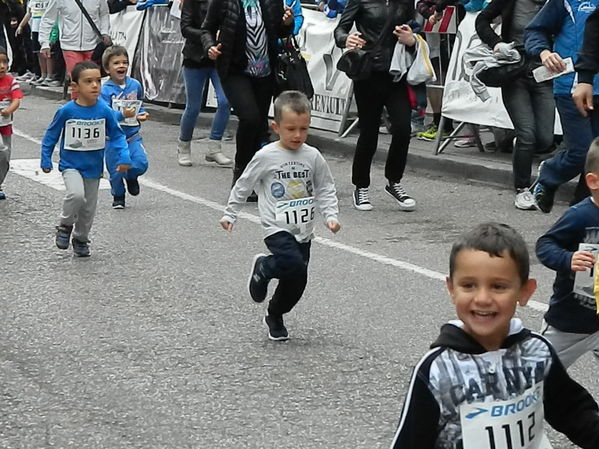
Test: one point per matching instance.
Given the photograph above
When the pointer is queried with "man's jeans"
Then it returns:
(579, 132)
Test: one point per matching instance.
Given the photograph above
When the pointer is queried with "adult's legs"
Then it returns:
(195, 80)
(223, 111)
(71, 58)
(398, 106)
(289, 264)
(370, 99)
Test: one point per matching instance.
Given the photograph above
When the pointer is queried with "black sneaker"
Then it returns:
(361, 200)
(405, 201)
(81, 249)
(257, 283)
(544, 198)
(276, 328)
(118, 202)
(132, 186)
(63, 234)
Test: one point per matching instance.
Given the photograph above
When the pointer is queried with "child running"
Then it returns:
(124, 95)
(10, 100)
(82, 126)
(569, 247)
(291, 179)
(488, 382)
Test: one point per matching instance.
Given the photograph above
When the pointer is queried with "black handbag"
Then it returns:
(357, 63)
(291, 71)
(101, 46)
(505, 74)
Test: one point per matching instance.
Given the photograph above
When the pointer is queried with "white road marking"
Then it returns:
(30, 168)
(406, 266)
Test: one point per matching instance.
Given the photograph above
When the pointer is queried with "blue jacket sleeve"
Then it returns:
(141, 95)
(51, 138)
(118, 141)
(298, 16)
(554, 247)
(538, 34)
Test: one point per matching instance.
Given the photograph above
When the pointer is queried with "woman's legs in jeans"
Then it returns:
(223, 112)
(250, 99)
(195, 80)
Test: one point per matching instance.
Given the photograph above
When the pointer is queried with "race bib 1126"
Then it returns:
(85, 135)
(513, 424)
(298, 212)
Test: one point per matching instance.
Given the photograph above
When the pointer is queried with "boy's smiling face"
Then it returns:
(485, 290)
(117, 68)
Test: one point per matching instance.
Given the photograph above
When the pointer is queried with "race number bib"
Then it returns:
(513, 424)
(37, 8)
(120, 105)
(584, 281)
(85, 135)
(295, 212)
(5, 120)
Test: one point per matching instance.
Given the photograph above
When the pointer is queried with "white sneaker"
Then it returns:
(215, 153)
(184, 153)
(361, 200)
(465, 143)
(524, 200)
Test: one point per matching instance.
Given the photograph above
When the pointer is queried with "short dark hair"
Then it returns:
(111, 52)
(494, 239)
(3, 51)
(80, 67)
(293, 100)
(592, 162)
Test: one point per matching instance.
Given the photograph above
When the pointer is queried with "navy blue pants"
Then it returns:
(289, 264)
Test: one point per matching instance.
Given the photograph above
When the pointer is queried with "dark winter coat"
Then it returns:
(192, 17)
(228, 19)
(588, 64)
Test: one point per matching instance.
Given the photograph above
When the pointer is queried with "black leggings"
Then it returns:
(371, 95)
(250, 99)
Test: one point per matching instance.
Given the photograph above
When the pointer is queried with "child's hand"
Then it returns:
(4, 113)
(122, 167)
(435, 17)
(129, 112)
(46, 170)
(143, 117)
(582, 261)
(226, 225)
(333, 226)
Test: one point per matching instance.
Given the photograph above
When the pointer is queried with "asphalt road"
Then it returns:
(153, 342)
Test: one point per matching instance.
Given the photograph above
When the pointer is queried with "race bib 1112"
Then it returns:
(85, 135)
(513, 424)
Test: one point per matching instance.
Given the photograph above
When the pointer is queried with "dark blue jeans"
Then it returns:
(531, 108)
(289, 264)
(579, 132)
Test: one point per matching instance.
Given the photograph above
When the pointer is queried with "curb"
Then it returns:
(484, 168)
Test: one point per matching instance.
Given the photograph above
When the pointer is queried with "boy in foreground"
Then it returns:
(488, 382)
(291, 180)
(82, 126)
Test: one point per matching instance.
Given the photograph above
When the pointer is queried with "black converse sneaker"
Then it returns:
(361, 200)
(276, 328)
(257, 283)
(405, 201)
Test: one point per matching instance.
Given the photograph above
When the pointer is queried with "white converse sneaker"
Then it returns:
(524, 200)
(361, 200)
(405, 201)
(184, 153)
(215, 153)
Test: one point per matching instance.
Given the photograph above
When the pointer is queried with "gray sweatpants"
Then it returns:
(79, 205)
(569, 346)
(5, 157)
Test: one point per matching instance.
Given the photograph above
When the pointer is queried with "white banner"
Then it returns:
(125, 29)
(459, 101)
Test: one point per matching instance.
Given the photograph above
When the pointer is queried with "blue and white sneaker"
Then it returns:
(63, 235)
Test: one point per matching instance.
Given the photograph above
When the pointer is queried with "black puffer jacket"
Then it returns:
(192, 17)
(228, 19)
(370, 17)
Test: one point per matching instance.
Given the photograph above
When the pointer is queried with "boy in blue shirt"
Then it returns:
(124, 95)
(82, 126)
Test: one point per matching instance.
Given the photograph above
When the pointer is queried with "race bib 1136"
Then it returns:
(513, 424)
(85, 135)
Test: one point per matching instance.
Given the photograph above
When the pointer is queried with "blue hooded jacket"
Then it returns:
(559, 27)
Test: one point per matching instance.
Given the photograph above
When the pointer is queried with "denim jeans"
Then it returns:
(371, 95)
(195, 80)
(289, 264)
(531, 108)
(579, 132)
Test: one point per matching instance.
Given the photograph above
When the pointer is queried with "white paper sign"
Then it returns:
(584, 281)
(120, 105)
(5, 120)
(85, 135)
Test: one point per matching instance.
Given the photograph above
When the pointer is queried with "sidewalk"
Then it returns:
(464, 164)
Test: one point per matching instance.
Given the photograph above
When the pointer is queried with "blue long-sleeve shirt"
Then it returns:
(569, 311)
(298, 15)
(82, 131)
(132, 90)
